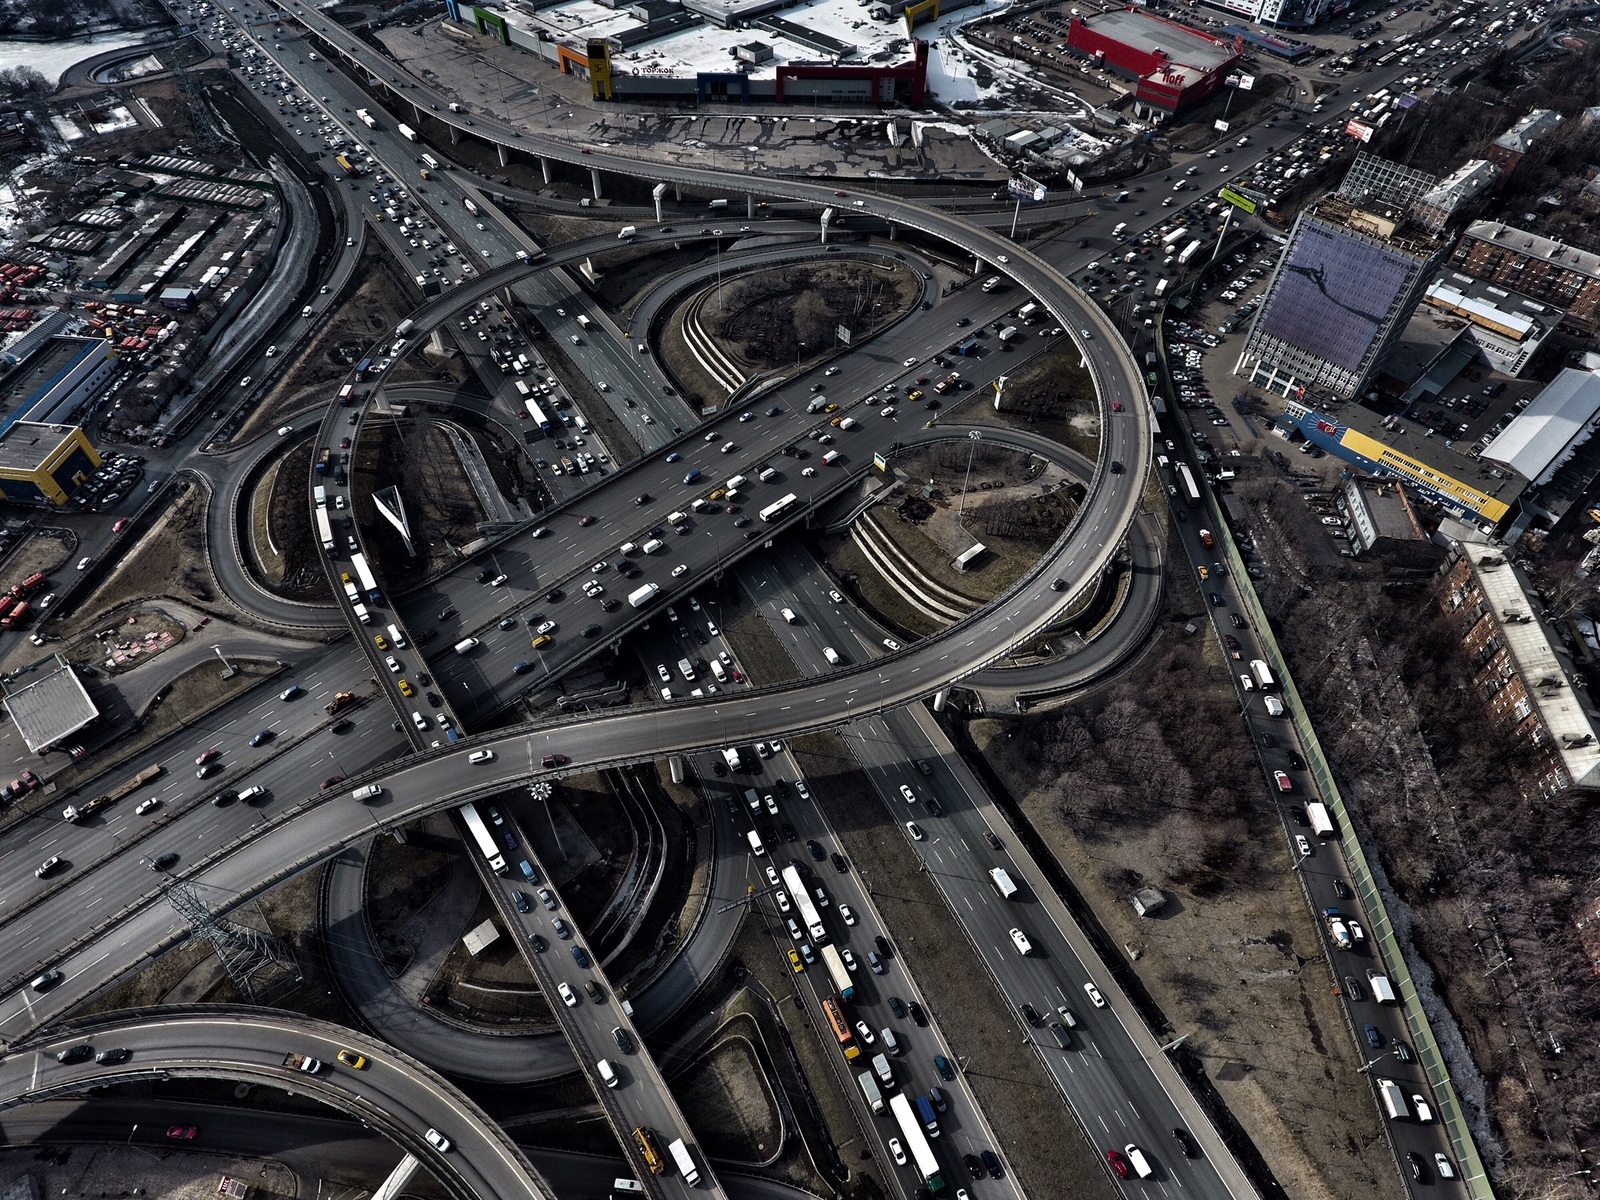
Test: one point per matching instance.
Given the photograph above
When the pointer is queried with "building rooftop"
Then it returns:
(1149, 34)
(27, 442)
(21, 387)
(1522, 242)
(1546, 433)
(1543, 668)
(48, 703)
(1521, 136)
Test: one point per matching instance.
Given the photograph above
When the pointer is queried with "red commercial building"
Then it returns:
(1174, 67)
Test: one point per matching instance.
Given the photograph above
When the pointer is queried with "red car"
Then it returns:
(1285, 784)
(1116, 406)
(331, 780)
(1118, 1163)
(587, 520)
(181, 1133)
(120, 525)
(555, 760)
(205, 756)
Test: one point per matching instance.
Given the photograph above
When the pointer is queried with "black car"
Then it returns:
(917, 1015)
(115, 1055)
(76, 1053)
(882, 943)
(1414, 1161)
(817, 852)
(485, 575)
(624, 1040)
(718, 767)
(446, 613)
(538, 943)
(1029, 1013)
(590, 631)
(974, 1167)
(554, 595)
(581, 956)
(1185, 1143)
(789, 834)
(1268, 740)
(595, 991)
(839, 863)
(1295, 761)
(1340, 890)
(162, 861)
(993, 1163)
(521, 902)
(898, 1007)
(262, 738)
(227, 796)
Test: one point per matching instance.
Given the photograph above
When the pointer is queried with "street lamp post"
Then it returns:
(973, 437)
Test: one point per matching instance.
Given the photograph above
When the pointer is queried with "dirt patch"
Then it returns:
(417, 456)
(631, 273)
(493, 987)
(1019, 1099)
(287, 547)
(726, 1101)
(1052, 395)
(771, 318)
(402, 878)
(168, 560)
(361, 318)
(130, 640)
(42, 553)
(758, 650)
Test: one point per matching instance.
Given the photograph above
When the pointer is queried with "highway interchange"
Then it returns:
(103, 922)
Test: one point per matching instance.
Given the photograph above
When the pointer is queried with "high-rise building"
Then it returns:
(1356, 265)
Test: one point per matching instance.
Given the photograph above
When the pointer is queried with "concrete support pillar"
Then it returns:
(893, 228)
(594, 181)
(750, 207)
(544, 166)
(455, 135)
(656, 193)
(505, 154)
(677, 193)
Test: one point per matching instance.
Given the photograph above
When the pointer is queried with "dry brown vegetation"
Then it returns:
(774, 318)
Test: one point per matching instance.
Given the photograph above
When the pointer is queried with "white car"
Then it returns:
(271, 350)
(808, 472)
(661, 670)
(146, 805)
(782, 897)
(568, 997)
(848, 914)
(898, 1152)
(438, 1141)
(546, 627)
(848, 957)
(831, 371)
(915, 831)
(1095, 998)
(910, 362)
(865, 1030)
(886, 411)
(285, 430)
(1001, 259)
(83, 563)
(1302, 845)
(679, 570)
(772, 875)
(910, 796)
(394, 663)
(1021, 942)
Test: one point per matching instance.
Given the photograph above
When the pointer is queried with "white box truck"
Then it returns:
(686, 1168)
(1382, 989)
(1394, 1100)
(869, 1089)
(643, 596)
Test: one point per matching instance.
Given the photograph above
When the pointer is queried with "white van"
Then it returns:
(788, 615)
(626, 549)
(466, 645)
(370, 792)
(1136, 1159)
(719, 671)
(890, 1043)
(831, 457)
(252, 793)
(768, 474)
(734, 484)
(396, 637)
(677, 518)
(603, 1068)
(626, 1185)
(756, 848)
(699, 504)
(652, 546)
(832, 655)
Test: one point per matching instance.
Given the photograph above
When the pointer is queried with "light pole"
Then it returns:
(973, 437)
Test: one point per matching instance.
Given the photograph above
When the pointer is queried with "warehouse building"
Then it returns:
(1174, 67)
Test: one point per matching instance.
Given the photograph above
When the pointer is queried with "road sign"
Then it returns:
(1077, 184)
(880, 462)
(1220, 126)
(1240, 202)
(842, 332)
(1023, 188)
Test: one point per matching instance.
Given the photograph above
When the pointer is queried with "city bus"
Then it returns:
(774, 511)
(837, 973)
(833, 1009)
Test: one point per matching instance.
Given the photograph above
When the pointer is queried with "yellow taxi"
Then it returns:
(383, 642)
(406, 689)
(794, 961)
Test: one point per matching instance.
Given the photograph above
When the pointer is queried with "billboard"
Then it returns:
(1023, 188)
(1238, 201)
(1357, 130)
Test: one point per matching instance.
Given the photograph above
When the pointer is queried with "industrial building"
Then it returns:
(1506, 329)
(1354, 269)
(44, 464)
(1546, 270)
(1174, 67)
(1551, 430)
(1381, 520)
(1525, 675)
(48, 704)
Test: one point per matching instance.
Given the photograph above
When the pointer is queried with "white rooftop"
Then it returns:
(1544, 436)
(1542, 667)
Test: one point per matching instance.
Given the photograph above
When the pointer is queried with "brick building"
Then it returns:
(1523, 674)
(1546, 270)
(1508, 149)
